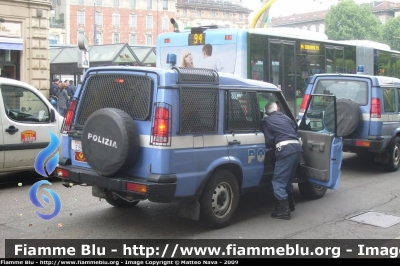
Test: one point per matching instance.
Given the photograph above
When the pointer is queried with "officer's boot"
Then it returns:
(282, 210)
(292, 204)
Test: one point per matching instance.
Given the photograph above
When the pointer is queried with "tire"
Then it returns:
(110, 141)
(311, 191)
(120, 203)
(394, 156)
(219, 199)
(348, 117)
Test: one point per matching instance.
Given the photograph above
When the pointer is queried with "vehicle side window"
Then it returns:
(199, 110)
(389, 100)
(242, 111)
(23, 105)
(264, 98)
(398, 100)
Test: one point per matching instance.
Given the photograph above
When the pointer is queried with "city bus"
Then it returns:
(285, 57)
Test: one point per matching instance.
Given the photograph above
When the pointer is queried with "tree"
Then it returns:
(350, 21)
(391, 33)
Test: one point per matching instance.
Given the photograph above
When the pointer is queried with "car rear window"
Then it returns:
(357, 91)
(128, 92)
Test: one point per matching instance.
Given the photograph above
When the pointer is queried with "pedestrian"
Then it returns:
(71, 89)
(62, 102)
(280, 133)
(53, 93)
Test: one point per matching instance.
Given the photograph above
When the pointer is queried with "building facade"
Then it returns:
(137, 22)
(24, 42)
(194, 13)
(315, 21)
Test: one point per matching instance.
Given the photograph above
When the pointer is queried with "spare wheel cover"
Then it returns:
(110, 141)
(348, 117)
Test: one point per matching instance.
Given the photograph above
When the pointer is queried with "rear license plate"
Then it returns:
(76, 145)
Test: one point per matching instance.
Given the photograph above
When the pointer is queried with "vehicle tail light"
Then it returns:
(161, 125)
(136, 187)
(61, 173)
(68, 117)
(360, 143)
(304, 103)
(375, 108)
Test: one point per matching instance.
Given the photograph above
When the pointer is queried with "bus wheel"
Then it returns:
(219, 200)
(394, 156)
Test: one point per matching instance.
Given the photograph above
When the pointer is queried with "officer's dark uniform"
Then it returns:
(278, 129)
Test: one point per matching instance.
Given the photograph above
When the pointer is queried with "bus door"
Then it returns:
(335, 60)
(282, 70)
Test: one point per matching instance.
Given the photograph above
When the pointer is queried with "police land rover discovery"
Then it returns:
(368, 109)
(182, 135)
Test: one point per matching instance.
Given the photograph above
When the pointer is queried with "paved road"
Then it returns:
(364, 187)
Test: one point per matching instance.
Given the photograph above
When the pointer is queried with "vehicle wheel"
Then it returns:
(311, 191)
(394, 156)
(348, 117)
(219, 199)
(120, 203)
(110, 141)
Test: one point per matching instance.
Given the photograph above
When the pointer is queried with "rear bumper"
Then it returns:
(376, 146)
(160, 188)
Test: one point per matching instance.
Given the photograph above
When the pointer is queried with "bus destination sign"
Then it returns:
(197, 39)
(309, 47)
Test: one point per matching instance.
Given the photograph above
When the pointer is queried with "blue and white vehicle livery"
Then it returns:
(368, 111)
(182, 134)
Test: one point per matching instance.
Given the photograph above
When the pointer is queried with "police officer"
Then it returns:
(280, 134)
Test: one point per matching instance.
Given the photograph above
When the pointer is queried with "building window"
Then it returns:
(133, 3)
(99, 2)
(81, 2)
(81, 18)
(165, 4)
(149, 22)
(184, 12)
(165, 23)
(198, 13)
(240, 16)
(213, 14)
(184, 24)
(54, 39)
(149, 4)
(81, 33)
(99, 18)
(115, 20)
(115, 38)
(132, 21)
(116, 3)
(149, 39)
(132, 39)
(99, 38)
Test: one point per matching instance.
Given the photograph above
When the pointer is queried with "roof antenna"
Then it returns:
(176, 26)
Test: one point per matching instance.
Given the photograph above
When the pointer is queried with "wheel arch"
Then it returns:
(232, 167)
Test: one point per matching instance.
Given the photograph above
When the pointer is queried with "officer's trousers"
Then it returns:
(284, 173)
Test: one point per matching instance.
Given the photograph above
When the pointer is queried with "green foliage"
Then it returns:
(391, 33)
(349, 21)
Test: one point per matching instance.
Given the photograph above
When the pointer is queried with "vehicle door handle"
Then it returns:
(320, 145)
(11, 130)
(234, 142)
